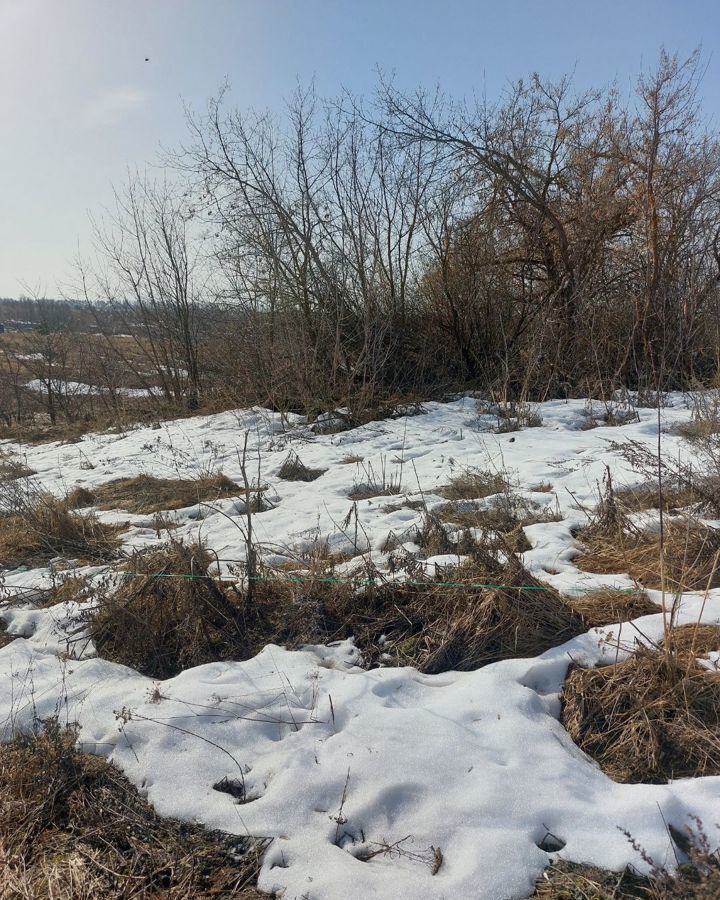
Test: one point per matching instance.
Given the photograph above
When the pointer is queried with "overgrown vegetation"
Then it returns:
(549, 243)
(173, 615)
(73, 828)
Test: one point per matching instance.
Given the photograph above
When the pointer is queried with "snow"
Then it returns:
(81, 389)
(340, 762)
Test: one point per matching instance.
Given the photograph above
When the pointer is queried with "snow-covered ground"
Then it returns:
(382, 783)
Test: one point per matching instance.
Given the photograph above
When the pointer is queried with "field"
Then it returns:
(374, 653)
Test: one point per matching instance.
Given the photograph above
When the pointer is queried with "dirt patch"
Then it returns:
(651, 718)
(73, 828)
(146, 494)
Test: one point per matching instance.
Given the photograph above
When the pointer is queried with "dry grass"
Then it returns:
(694, 639)
(675, 496)
(168, 614)
(351, 459)
(11, 468)
(43, 528)
(651, 718)
(73, 828)
(474, 484)
(570, 881)
(433, 628)
(370, 482)
(698, 879)
(294, 469)
(688, 561)
(505, 514)
(161, 625)
(607, 606)
(146, 494)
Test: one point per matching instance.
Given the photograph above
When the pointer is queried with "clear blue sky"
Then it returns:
(78, 102)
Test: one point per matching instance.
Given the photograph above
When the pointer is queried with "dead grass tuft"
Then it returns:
(40, 528)
(570, 881)
(474, 484)
(169, 614)
(506, 513)
(694, 639)
(12, 469)
(697, 879)
(651, 718)
(293, 469)
(73, 828)
(675, 496)
(688, 561)
(607, 606)
(146, 494)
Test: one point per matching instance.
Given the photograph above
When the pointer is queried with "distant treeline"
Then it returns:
(355, 253)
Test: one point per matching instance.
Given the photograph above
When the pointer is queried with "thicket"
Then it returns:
(353, 254)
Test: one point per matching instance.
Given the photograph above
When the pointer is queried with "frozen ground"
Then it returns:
(372, 783)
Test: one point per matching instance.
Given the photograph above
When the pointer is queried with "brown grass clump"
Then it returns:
(651, 718)
(294, 469)
(689, 560)
(474, 484)
(434, 628)
(472, 627)
(698, 879)
(507, 513)
(146, 494)
(45, 527)
(12, 469)
(169, 614)
(162, 622)
(647, 496)
(73, 828)
(609, 605)
(570, 881)
(694, 639)
(80, 497)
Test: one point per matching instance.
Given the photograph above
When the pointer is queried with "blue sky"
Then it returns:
(78, 102)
